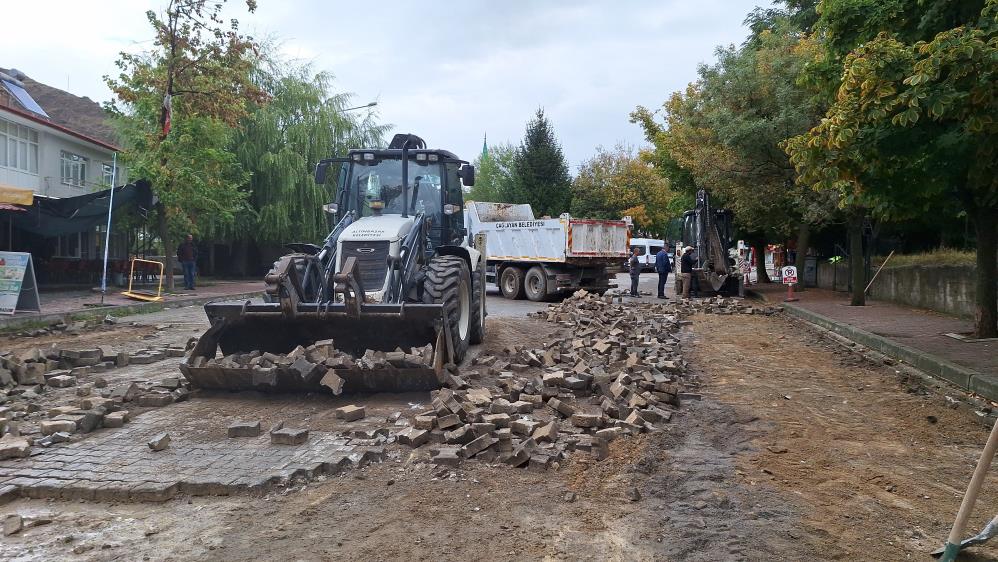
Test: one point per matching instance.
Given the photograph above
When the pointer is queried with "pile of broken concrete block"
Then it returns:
(59, 368)
(314, 364)
(725, 305)
(620, 372)
(28, 383)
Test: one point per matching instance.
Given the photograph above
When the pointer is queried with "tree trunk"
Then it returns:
(856, 260)
(803, 241)
(986, 314)
(761, 275)
(164, 236)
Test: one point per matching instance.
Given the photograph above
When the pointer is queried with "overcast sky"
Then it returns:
(447, 71)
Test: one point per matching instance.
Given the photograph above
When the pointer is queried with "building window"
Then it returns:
(108, 176)
(74, 169)
(18, 147)
(68, 246)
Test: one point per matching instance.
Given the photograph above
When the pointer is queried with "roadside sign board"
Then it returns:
(789, 274)
(18, 289)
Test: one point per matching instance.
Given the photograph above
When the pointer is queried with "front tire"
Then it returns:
(478, 312)
(448, 282)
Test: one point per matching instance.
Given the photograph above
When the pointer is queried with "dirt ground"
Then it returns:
(799, 450)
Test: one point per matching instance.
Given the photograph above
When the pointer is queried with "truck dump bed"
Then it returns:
(513, 234)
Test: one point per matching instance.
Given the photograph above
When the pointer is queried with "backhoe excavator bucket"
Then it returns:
(245, 327)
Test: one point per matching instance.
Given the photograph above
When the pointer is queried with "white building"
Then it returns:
(55, 144)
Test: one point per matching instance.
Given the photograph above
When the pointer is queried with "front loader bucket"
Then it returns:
(244, 327)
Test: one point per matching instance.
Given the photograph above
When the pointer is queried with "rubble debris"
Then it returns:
(350, 413)
(12, 524)
(159, 442)
(288, 436)
(12, 446)
(245, 429)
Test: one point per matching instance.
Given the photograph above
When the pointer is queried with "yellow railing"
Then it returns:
(145, 295)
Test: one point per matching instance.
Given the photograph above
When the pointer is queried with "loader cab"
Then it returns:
(370, 184)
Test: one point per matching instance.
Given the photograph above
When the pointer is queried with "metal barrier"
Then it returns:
(145, 295)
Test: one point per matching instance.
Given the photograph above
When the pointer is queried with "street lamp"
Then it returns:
(372, 104)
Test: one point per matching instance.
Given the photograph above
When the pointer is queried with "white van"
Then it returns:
(647, 248)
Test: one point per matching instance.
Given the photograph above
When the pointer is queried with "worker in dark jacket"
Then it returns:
(686, 270)
(634, 266)
(187, 254)
(664, 267)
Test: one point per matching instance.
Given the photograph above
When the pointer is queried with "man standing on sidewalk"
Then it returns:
(686, 270)
(663, 266)
(187, 254)
(634, 266)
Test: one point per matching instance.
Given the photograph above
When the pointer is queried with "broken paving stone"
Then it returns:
(14, 447)
(634, 494)
(159, 442)
(424, 422)
(289, 436)
(61, 381)
(53, 426)
(115, 419)
(12, 524)
(449, 421)
(447, 457)
(478, 445)
(350, 413)
(581, 419)
(413, 437)
(155, 399)
(244, 429)
(523, 426)
(570, 497)
(546, 433)
(333, 382)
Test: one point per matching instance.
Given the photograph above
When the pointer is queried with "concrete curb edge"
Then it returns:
(13, 323)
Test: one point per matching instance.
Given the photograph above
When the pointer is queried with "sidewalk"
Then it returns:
(912, 335)
(72, 304)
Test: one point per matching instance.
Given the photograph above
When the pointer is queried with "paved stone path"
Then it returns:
(916, 328)
(118, 465)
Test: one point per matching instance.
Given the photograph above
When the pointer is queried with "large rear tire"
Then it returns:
(478, 312)
(535, 284)
(448, 282)
(511, 283)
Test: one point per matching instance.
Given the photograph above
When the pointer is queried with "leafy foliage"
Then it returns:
(199, 66)
(617, 183)
(494, 173)
(280, 143)
(540, 173)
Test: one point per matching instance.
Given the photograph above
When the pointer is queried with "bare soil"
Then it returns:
(799, 450)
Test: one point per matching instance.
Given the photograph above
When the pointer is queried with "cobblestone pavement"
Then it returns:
(917, 328)
(117, 464)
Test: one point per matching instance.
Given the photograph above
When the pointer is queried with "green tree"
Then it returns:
(617, 183)
(914, 124)
(280, 143)
(723, 132)
(540, 173)
(494, 174)
(177, 105)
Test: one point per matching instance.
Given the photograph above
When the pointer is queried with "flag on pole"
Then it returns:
(168, 109)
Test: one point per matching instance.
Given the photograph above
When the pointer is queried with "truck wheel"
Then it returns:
(448, 282)
(511, 283)
(535, 284)
(478, 312)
